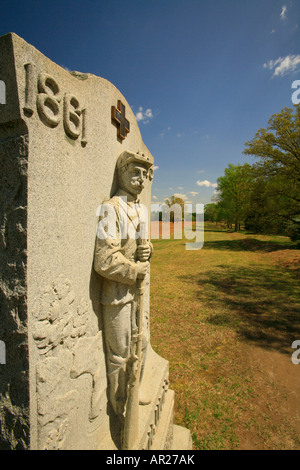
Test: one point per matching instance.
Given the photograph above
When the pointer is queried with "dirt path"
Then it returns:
(277, 381)
(276, 377)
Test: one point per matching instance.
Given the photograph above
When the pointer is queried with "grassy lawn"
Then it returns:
(218, 315)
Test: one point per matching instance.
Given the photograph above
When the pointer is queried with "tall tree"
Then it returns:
(211, 212)
(278, 147)
(177, 206)
(233, 193)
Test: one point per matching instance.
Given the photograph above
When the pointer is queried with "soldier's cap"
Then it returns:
(130, 157)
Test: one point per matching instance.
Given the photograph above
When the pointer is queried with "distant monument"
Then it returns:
(69, 142)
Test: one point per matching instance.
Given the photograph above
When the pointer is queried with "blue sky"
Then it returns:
(202, 76)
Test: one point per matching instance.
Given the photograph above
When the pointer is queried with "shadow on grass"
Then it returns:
(248, 244)
(261, 304)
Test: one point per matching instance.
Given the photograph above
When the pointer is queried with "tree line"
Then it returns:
(264, 197)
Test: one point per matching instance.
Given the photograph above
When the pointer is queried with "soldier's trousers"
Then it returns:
(117, 321)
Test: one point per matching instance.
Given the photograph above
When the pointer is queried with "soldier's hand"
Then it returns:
(143, 252)
(142, 269)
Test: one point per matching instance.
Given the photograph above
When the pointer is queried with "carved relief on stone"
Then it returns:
(87, 360)
(56, 405)
(60, 320)
(67, 352)
(122, 254)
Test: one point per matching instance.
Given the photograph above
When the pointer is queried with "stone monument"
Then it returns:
(68, 142)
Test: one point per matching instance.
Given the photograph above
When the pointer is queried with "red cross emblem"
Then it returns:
(118, 116)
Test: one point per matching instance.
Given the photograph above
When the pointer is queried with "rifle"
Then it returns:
(131, 421)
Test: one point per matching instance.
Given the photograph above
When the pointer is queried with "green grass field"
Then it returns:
(224, 317)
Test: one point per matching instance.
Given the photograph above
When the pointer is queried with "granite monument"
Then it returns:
(79, 370)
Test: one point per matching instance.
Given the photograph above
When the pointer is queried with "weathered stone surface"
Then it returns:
(58, 151)
(14, 380)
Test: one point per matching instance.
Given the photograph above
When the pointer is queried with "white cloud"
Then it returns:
(155, 167)
(163, 133)
(207, 183)
(283, 12)
(144, 116)
(179, 187)
(154, 197)
(182, 196)
(193, 193)
(283, 65)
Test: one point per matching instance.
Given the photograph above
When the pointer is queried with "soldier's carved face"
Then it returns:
(133, 178)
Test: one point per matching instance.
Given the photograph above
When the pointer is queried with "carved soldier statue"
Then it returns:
(122, 259)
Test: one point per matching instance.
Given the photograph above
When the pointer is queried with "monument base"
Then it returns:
(156, 427)
(182, 439)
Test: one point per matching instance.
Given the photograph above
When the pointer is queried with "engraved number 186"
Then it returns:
(52, 107)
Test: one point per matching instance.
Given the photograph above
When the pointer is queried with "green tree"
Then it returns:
(233, 194)
(211, 212)
(278, 148)
(177, 204)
